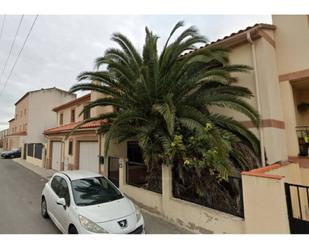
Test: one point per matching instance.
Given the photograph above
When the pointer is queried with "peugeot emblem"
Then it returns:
(123, 223)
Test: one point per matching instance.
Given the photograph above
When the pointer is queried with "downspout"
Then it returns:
(258, 98)
(63, 154)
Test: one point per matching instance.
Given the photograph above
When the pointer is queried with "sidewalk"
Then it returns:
(153, 223)
(45, 173)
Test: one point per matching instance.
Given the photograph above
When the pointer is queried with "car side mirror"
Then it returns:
(61, 201)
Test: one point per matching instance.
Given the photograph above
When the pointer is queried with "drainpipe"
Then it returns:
(258, 98)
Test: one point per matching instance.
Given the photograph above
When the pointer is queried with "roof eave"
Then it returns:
(241, 38)
(236, 39)
(71, 103)
(67, 131)
(50, 88)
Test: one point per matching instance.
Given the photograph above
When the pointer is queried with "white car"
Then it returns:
(85, 202)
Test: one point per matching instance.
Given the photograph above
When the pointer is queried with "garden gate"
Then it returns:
(297, 198)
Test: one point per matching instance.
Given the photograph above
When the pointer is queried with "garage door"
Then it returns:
(56, 156)
(88, 156)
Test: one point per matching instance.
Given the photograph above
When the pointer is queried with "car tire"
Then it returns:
(44, 212)
(73, 230)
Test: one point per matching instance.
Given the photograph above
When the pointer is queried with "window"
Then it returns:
(38, 151)
(87, 114)
(134, 153)
(73, 115)
(64, 191)
(61, 189)
(94, 190)
(70, 147)
(55, 184)
(30, 150)
(61, 119)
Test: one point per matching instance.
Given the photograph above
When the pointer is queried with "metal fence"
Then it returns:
(297, 197)
(136, 175)
(225, 196)
(303, 140)
(113, 170)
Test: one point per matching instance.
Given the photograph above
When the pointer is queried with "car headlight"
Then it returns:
(90, 225)
(138, 213)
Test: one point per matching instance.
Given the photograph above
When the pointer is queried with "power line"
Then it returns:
(19, 53)
(11, 48)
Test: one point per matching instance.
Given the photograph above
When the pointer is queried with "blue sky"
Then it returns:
(60, 47)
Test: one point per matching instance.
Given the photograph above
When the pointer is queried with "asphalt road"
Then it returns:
(20, 196)
(20, 193)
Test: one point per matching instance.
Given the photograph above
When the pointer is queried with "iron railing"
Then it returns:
(230, 197)
(113, 170)
(298, 196)
(136, 175)
(303, 140)
(229, 200)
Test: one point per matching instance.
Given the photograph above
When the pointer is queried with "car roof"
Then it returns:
(79, 174)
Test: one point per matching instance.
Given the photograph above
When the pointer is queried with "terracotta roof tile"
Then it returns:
(241, 31)
(70, 126)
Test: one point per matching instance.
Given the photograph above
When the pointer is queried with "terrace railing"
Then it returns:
(303, 140)
(136, 175)
(229, 201)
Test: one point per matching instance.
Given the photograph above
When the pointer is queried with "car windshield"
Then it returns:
(94, 190)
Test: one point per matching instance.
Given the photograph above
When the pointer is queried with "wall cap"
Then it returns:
(140, 190)
(261, 172)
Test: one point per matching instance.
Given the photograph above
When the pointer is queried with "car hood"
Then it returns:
(107, 211)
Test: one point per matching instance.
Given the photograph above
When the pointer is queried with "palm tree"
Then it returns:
(162, 97)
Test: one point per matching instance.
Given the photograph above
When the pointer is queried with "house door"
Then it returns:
(88, 156)
(56, 156)
(297, 198)
(113, 170)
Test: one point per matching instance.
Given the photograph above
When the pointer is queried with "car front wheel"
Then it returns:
(44, 208)
(73, 230)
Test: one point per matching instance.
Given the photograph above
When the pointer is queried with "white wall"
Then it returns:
(292, 39)
(41, 116)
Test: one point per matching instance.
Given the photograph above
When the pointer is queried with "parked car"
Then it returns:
(12, 153)
(86, 202)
